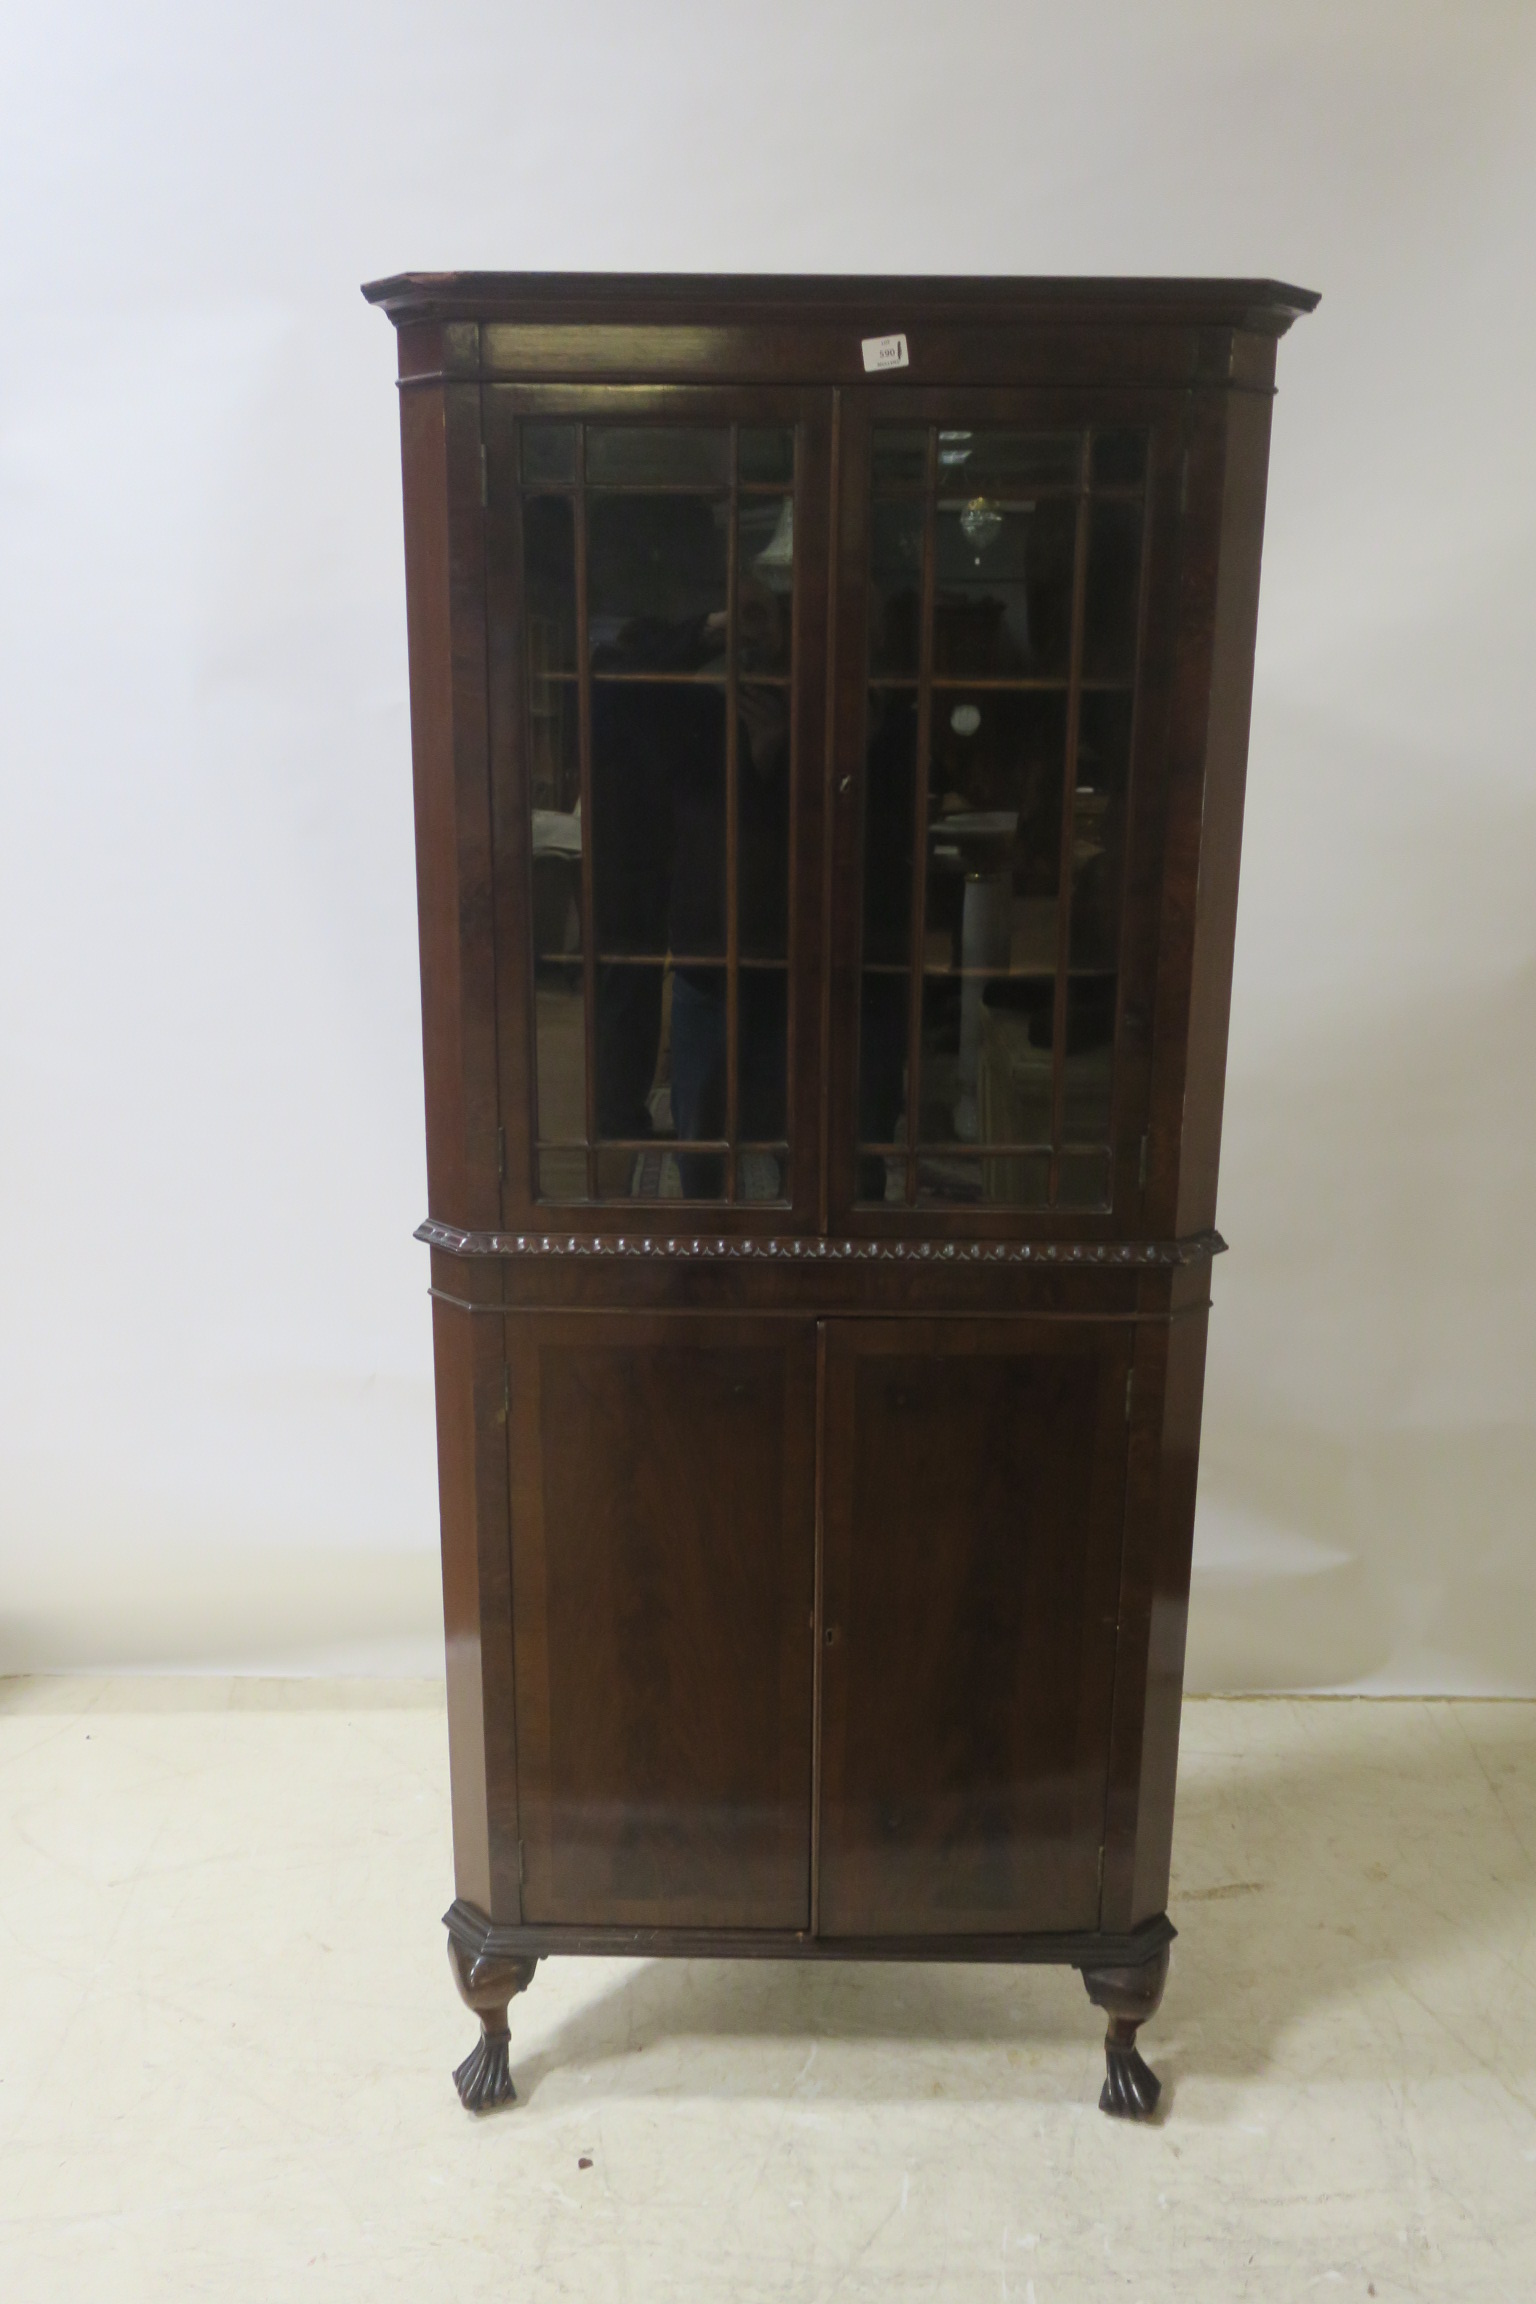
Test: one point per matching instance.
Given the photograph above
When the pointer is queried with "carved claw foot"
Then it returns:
(488, 1986)
(1128, 1997)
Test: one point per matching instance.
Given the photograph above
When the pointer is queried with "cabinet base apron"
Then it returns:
(1124, 1975)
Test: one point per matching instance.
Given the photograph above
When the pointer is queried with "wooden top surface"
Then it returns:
(702, 298)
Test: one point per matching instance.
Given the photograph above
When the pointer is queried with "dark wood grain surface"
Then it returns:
(973, 1479)
(816, 1574)
(662, 1537)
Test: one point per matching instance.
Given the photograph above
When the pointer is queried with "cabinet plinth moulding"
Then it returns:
(829, 708)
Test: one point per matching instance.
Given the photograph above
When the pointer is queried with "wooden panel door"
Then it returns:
(663, 1536)
(974, 1485)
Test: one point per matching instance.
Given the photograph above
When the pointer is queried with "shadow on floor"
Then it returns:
(1373, 1849)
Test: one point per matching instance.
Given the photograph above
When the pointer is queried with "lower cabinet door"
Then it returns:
(974, 1480)
(663, 1570)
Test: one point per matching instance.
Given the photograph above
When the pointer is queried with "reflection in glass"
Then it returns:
(656, 583)
(765, 572)
(898, 456)
(997, 1107)
(949, 1180)
(560, 1036)
(549, 581)
(549, 452)
(762, 1173)
(1119, 459)
(658, 813)
(1114, 570)
(762, 821)
(562, 1175)
(1084, 1180)
(657, 456)
(762, 1010)
(1003, 575)
(1088, 1073)
(1098, 827)
(668, 775)
(1008, 460)
(896, 587)
(765, 458)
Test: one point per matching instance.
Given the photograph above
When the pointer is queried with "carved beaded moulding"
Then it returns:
(761, 1248)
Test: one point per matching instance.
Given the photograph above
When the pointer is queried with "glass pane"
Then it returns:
(896, 587)
(1119, 459)
(1014, 1067)
(882, 1069)
(658, 818)
(562, 1175)
(554, 754)
(1009, 459)
(629, 1044)
(561, 1045)
(762, 822)
(656, 583)
(1023, 1179)
(898, 456)
(763, 1173)
(697, 1068)
(994, 850)
(951, 1180)
(1089, 1068)
(762, 1008)
(890, 767)
(765, 457)
(549, 580)
(556, 909)
(1098, 827)
(657, 456)
(1084, 1180)
(549, 451)
(1114, 570)
(1004, 588)
(765, 575)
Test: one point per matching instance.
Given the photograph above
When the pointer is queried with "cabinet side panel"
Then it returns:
(453, 1352)
(1226, 766)
(440, 448)
(1154, 1607)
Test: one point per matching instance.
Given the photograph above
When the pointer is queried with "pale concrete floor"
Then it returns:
(226, 2027)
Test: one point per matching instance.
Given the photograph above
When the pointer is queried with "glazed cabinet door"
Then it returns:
(1007, 584)
(974, 1481)
(656, 587)
(663, 1539)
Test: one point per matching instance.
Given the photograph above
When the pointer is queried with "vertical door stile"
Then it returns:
(732, 830)
(917, 926)
(1059, 1011)
(818, 1617)
(832, 820)
(588, 822)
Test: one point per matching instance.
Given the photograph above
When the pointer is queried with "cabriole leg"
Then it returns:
(484, 2079)
(1128, 1997)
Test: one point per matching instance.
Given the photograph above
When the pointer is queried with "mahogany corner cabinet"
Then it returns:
(829, 702)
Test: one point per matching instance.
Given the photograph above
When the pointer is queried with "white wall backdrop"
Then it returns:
(215, 1411)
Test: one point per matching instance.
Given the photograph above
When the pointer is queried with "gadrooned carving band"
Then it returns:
(780, 1248)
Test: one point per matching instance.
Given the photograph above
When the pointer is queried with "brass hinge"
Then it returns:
(1130, 1386)
(506, 1391)
(501, 1156)
(485, 479)
(1141, 1165)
